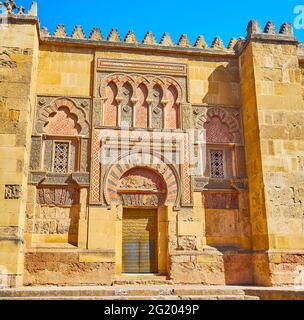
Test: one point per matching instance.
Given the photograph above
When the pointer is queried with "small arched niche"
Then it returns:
(111, 105)
(141, 113)
(172, 109)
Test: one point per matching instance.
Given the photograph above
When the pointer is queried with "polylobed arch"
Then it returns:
(49, 111)
(221, 127)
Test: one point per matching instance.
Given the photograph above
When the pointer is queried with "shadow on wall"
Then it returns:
(242, 267)
(224, 84)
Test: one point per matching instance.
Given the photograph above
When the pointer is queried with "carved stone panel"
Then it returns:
(12, 192)
(141, 187)
(84, 161)
(140, 200)
(157, 108)
(157, 117)
(97, 113)
(199, 117)
(142, 66)
(58, 196)
(127, 116)
(187, 116)
(48, 155)
(35, 161)
(126, 105)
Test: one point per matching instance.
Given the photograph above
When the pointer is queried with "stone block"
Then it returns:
(97, 257)
(188, 228)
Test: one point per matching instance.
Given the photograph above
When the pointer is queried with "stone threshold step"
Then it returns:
(118, 291)
(139, 279)
(137, 298)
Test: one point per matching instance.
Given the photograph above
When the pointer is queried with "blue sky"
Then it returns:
(193, 17)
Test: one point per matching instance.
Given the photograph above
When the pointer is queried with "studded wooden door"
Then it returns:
(139, 241)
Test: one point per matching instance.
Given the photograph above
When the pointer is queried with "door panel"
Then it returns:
(139, 239)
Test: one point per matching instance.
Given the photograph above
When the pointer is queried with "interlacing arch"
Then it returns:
(169, 87)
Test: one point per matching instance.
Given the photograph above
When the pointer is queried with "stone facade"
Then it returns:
(211, 139)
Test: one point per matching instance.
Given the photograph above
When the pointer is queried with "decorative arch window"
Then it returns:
(63, 122)
(64, 127)
(222, 135)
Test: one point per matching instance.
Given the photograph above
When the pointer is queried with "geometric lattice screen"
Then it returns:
(61, 157)
(217, 164)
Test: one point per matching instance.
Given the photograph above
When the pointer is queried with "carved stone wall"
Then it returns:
(55, 222)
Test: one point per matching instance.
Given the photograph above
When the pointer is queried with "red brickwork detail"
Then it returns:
(63, 123)
(186, 173)
(96, 167)
(217, 132)
(221, 127)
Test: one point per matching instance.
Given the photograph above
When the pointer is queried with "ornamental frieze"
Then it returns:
(142, 66)
(58, 196)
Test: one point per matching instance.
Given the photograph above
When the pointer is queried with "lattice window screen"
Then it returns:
(61, 157)
(217, 164)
